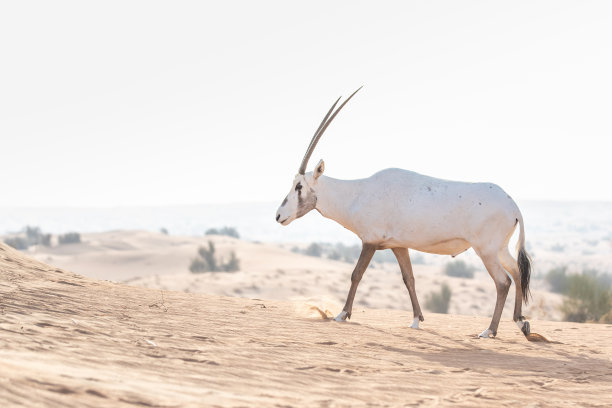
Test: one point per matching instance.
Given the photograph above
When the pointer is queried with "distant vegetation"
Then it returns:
(31, 236)
(438, 302)
(349, 253)
(227, 231)
(459, 269)
(207, 261)
(28, 237)
(557, 280)
(587, 296)
(69, 238)
(35, 236)
(18, 243)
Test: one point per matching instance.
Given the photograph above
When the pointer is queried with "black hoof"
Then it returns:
(526, 329)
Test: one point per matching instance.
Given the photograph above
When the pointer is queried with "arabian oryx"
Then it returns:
(400, 210)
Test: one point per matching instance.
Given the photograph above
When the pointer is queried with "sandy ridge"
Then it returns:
(66, 340)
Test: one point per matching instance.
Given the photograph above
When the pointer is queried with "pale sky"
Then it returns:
(155, 103)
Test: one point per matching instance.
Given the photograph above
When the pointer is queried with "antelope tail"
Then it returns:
(524, 262)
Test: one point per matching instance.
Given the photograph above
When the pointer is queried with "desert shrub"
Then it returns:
(313, 249)
(45, 239)
(607, 318)
(459, 269)
(163, 231)
(28, 237)
(227, 231)
(588, 297)
(198, 265)
(334, 255)
(207, 255)
(207, 261)
(18, 243)
(438, 302)
(557, 280)
(35, 236)
(69, 238)
(348, 253)
(233, 264)
(604, 279)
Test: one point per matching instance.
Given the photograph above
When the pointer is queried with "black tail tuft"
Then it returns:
(524, 264)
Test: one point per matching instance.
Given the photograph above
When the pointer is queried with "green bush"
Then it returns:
(557, 280)
(459, 269)
(207, 261)
(588, 297)
(438, 302)
(69, 238)
(227, 231)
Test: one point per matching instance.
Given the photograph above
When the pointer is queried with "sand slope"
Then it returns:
(270, 271)
(66, 340)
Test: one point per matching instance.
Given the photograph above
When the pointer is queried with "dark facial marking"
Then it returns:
(284, 202)
(298, 187)
(305, 205)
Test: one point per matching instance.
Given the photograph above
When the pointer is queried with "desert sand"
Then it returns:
(71, 341)
(272, 271)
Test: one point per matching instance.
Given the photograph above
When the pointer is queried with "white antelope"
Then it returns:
(399, 209)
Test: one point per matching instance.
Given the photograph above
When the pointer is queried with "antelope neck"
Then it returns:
(335, 198)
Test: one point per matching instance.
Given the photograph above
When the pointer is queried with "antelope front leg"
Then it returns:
(367, 252)
(403, 258)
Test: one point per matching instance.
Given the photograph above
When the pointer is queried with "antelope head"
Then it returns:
(303, 194)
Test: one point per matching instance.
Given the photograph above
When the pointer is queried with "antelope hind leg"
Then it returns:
(502, 285)
(403, 258)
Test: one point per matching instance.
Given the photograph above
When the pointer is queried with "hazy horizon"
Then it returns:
(255, 221)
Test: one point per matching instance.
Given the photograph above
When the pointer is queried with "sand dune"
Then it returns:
(67, 340)
(270, 271)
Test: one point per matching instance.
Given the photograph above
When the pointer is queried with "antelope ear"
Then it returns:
(319, 169)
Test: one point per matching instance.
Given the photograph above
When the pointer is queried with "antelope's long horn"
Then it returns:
(307, 155)
(324, 124)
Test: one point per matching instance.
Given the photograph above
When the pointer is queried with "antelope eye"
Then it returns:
(298, 187)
